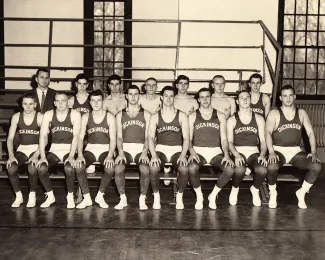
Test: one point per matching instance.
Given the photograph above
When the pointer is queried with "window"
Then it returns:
(304, 46)
(108, 59)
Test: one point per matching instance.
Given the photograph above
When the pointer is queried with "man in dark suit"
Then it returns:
(42, 93)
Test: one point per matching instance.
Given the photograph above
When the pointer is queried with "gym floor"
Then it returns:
(230, 232)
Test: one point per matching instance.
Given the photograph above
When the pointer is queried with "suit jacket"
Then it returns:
(49, 100)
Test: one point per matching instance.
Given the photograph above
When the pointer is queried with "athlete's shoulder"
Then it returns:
(274, 112)
(110, 116)
(192, 115)
(259, 117)
(15, 117)
(232, 119)
(75, 113)
(85, 116)
(220, 114)
(302, 112)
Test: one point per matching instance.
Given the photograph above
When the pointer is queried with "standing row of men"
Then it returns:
(147, 123)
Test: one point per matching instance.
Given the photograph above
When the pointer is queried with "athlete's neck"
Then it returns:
(255, 94)
(182, 95)
(219, 95)
(245, 111)
(32, 114)
(82, 94)
(151, 97)
(170, 109)
(291, 108)
(98, 112)
(206, 110)
(133, 108)
(62, 112)
(116, 95)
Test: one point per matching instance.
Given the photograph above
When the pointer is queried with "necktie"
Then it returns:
(42, 101)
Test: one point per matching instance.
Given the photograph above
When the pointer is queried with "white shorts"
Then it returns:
(247, 151)
(97, 149)
(288, 152)
(208, 152)
(60, 150)
(133, 149)
(168, 150)
(27, 149)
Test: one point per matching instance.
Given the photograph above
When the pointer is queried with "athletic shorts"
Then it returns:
(60, 150)
(27, 149)
(288, 152)
(97, 149)
(208, 152)
(133, 149)
(247, 151)
(169, 150)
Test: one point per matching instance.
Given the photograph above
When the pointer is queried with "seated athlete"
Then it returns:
(221, 101)
(101, 143)
(132, 142)
(283, 138)
(115, 102)
(207, 134)
(245, 130)
(64, 124)
(260, 103)
(27, 123)
(183, 101)
(150, 101)
(170, 126)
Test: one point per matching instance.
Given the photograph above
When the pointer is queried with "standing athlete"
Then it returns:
(183, 101)
(260, 103)
(64, 124)
(101, 143)
(245, 130)
(28, 123)
(132, 142)
(80, 101)
(115, 102)
(221, 101)
(207, 136)
(283, 138)
(150, 101)
(170, 126)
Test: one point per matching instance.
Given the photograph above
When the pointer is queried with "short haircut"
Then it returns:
(114, 77)
(182, 77)
(151, 78)
(28, 95)
(96, 93)
(255, 76)
(285, 87)
(202, 90)
(81, 76)
(58, 93)
(218, 77)
(143, 86)
(168, 88)
(243, 91)
(133, 87)
(42, 70)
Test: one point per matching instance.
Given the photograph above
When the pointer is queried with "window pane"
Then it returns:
(288, 55)
(119, 8)
(119, 54)
(98, 39)
(98, 54)
(321, 39)
(321, 56)
(299, 71)
(300, 55)
(289, 7)
(311, 87)
(313, 6)
(98, 8)
(119, 26)
(287, 70)
(287, 82)
(300, 22)
(312, 55)
(109, 38)
(321, 87)
(300, 6)
(300, 38)
(109, 25)
(109, 9)
(98, 25)
(321, 71)
(108, 68)
(288, 38)
(299, 86)
(322, 23)
(119, 38)
(108, 54)
(98, 71)
(311, 39)
(288, 22)
(312, 23)
(322, 7)
(311, 71)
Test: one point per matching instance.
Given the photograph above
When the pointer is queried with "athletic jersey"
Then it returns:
(133, 128)
(169, 133)
(97, 133)
(62, 132)
(82, 108)
(259, 107)
(246, 134)
(206, 132)
(28, 134)
(288, 133)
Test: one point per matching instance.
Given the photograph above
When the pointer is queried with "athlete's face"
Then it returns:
(28, 105)
(115, 86)
(96, 103)
(168, 98)
(151, 86)
(244, 100)
(255, 85)
(61, 102)
(43, 79)
(219, 85)
(205, 99)
(287, 97)
(133, 96)
(82, 85)
(182, 86)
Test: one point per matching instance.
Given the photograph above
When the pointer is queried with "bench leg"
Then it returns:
(264, 193)
(79, 195)
(174, 183)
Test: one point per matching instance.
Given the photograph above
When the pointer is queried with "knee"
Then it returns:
(80, 170)
(315, 167)
(144, 169)
(43, 170)
(260, 170)
(273, 168)
(119, 169)
(69, 171)
(154, 170)
(239, 171)
(193, 169)
(183, 171)
(13, 169)
(32, 170)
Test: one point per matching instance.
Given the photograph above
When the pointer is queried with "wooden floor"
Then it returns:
(230, 232)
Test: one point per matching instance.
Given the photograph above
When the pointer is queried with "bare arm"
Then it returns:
(147, 119)
(195, 104)
(269, 129)
(267, 104)
(152, 134)
(12, 133)
(119, 130)
(82, 133)
(223, 134)
(231, 122)
(309, 129)
(76, 121)
(183, 119)
(232, 106)
(39, 123)
(44, 132)
(71, 102)
(261, 133)
(112, 134)
(191, 121)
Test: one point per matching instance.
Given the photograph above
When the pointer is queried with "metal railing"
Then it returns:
(267, 64)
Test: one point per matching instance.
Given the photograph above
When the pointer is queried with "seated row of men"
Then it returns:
(188, 142)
